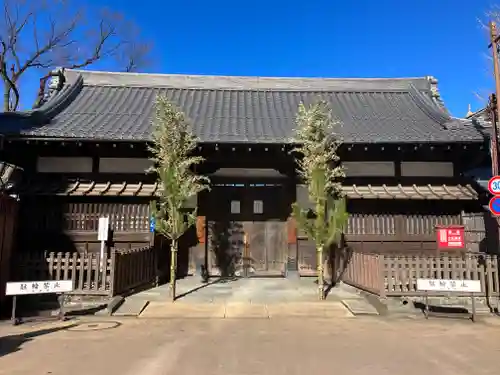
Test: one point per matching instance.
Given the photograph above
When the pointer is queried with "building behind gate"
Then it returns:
(84, 155)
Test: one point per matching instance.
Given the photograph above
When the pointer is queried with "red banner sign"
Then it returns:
(450, 237)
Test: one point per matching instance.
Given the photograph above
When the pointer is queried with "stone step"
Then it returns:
(131, 307)
(359, 306)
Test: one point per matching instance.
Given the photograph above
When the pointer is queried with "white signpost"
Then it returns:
(38, 287)
(22, 288)
(102, 235)
(449, 285)
(445, 285)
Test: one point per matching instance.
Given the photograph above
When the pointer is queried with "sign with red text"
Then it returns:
(450, 237)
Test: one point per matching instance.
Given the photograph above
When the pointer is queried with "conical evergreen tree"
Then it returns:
(172, 153)
(320, 169)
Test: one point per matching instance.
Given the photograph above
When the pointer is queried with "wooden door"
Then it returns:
(248, 230)
(265, 251)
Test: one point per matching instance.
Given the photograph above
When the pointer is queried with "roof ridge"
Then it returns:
(312, 90)
(96, 78)
(102, 72)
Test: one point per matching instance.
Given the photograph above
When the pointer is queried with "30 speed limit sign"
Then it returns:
(494, 185)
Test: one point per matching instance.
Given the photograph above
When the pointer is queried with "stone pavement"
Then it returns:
(267, 298)
(364, 345)
(246, 310)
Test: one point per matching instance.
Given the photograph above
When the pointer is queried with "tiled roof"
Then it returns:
(411, 192)
(118, 106)
(92, 188)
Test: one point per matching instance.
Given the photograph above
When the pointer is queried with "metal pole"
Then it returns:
(14, 319)
(473, 317)
(495, 105)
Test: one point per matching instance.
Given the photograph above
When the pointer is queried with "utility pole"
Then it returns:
(494, 102)
(492, 107)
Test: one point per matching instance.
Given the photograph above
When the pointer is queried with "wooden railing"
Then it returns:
(362, 271)
(121, 272)
(133, 268)
(389, 275)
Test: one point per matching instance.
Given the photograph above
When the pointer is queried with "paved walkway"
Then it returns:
(255, 290)
(231, 310)
(268, 298)
(365, 345)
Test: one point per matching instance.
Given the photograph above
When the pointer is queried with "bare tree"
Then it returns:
(47, 34)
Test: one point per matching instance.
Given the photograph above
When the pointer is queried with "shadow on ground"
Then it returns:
(221, 280)
(12, 343)
(441, 309)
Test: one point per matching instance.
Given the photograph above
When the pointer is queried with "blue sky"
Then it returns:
(335, 38)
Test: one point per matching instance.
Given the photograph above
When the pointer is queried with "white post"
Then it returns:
(102, 256)
(102, 235)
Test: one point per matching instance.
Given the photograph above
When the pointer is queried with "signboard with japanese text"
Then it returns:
(446, 285)
(38, 287)
(450, 237)
(103, 232)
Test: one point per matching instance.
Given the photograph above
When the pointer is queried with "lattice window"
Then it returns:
(365, 224)
(359, 224)
(56, 215)
(122, 217)
(426, 224)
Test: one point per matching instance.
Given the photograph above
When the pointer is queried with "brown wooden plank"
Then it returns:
(292, 230)
(201, 228)
(276, 244)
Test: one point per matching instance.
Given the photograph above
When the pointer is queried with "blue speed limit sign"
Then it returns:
(494, 185)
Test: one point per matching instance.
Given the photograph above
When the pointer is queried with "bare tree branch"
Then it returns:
(10, 85)
(135, 56)
(46, 34)
(493, 14)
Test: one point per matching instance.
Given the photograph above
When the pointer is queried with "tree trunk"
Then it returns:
(321, 280)
(6, 96)
(173, 268)
(319, 248)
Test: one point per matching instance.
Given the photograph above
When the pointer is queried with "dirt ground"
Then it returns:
(361, 345)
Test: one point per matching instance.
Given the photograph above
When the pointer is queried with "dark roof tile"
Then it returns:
(111, 106)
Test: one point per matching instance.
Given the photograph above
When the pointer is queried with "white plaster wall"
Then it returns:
(426, 169)
(124, 165)
(64, 164)
(369, 168)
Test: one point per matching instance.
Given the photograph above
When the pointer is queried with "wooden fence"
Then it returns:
(122, 271)
(134, 268)
(390, 276)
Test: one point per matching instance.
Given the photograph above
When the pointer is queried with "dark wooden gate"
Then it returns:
(247, 230)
